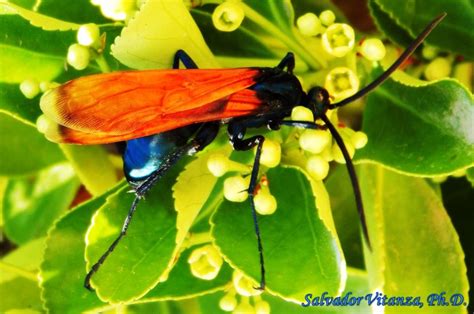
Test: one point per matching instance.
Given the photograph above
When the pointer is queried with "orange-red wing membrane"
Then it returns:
(119, 106)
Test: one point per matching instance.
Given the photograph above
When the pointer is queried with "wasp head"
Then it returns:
(318, 101)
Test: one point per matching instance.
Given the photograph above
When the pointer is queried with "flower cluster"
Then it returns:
(89, 45)
(243, 288)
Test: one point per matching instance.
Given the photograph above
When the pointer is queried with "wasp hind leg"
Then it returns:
(236, 133)
(204, 136)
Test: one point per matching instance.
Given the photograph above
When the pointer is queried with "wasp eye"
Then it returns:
(319, 95)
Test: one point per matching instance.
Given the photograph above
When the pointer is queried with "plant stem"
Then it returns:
(102, 63)
(296, 47)
(18, 271)
(115, 24)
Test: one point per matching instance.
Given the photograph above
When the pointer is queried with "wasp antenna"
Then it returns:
(352, 175)
(404, 56)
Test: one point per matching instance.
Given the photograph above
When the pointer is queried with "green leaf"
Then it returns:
(278, 12)
(92, 165)
(19, 64)
(188, 201)
(14, 105)
(3, 185)
(146, 42)
(345, 215)
(470, 175)
(24, 149)
(77, 11)
(40, 55)
(37, 19)
(147, 252)
(164, 307)
(454, 33)
(26, 257)
(63, 268)
(388, 26)
(412, 237)
(18, 282)
(423, 130)
(31, 205)
(182, 284)
(294, 239)
(357, 285)
(53, 43)
(247, 44)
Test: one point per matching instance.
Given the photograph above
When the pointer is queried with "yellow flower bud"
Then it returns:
(205, 262)
(317, 167)
(43, 123)
(327, 153)
(265, 203)
(271, 153)
(244, 307)
(228, 302)
(88, 34)
(338, 39)
(235, 189)
(228, 16)
(337, 153)
(78, 56)
(44, 86)
(429, 52)
(300, 113)
(243, 285)
(359, 139)
(118, 10)
(437, 69)
(309, 24)
(217, 164)
(373, 49)
(262, 307)
(327, 17)
(314, 141)
(30, 88)
(341, 83)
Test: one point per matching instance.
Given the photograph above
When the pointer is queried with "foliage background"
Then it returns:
(56, 196)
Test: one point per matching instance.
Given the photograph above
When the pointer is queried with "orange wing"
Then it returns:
(119, 106)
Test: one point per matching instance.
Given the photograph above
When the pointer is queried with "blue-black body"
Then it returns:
(143, 156)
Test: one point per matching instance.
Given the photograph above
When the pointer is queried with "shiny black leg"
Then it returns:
(182, 56)
(287, 62)
(204, 137)
(236, 135)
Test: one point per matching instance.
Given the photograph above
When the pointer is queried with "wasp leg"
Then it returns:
(205, 135)
(236, 133)
(287, 62)
(182, 56)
